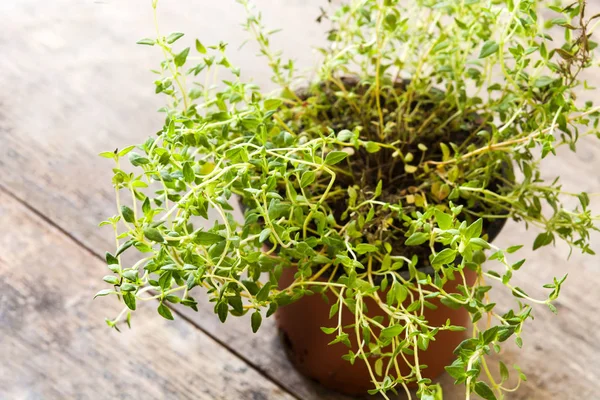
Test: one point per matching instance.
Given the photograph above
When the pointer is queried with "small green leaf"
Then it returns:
(129, 299)
(482, 389)
(328, 331)
(372, 147)
(188, 172)
(104, 292)
(123, 247)
(443, 220)
(208, 238)
(146, 207)
(263, 293)
(256, 320)
(154, 235)
(417, 238)
(110, 259)
(513, 249)
(146, 41)
(410, 169)
(113, 280)
(392, 331)
(272, 104)
(543, 81)
(264, 235)
(364, 248)
(165, 311)
(180, 58)
(137, 160)
(173, 37)
(490, 47)
(543, 239)
(200, 47)
(125, 151)
(503, 371)
(128, 214)
(444, 257)
(307, 178)
(474, 230)
(222, 311)
(344, 135)
(480, 242)
(108, 154)
(335, 157)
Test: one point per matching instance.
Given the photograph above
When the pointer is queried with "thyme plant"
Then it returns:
(380, 179)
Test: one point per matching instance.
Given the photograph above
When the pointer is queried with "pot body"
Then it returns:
(308, 349)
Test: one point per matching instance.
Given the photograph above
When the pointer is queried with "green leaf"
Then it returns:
(417, 238)
(154, 235)
(113, 280)
(272, 104)
(128, 214)
(172, 38)
(345, 135)
(180, 58)
(146, 207)
(200, 47)
(443, 220)
(256, 320)
(444, 257)
(335, 157)
(165, 311)
(480, 242)
(513, 249)
(146, 41)
(129, 299)
(482, 389)
(328, 331)
(366, 248)
(207, 238)
(124, 247)
(392, 331)
(372, 147)
(264, 235)
(543, 81)
(108, 154)
(263, 293)
(457, 370)
(188, 173)
(136, 160)
(474, 230)
(125, 151)
(503, 371)
(222, 311)
(307, 178)
(110, 259)
(104, 292)
(490, 47)
(543, 239)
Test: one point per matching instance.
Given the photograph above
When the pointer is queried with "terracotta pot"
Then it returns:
(308, 349)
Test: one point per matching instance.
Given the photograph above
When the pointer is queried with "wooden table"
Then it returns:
(73, 84)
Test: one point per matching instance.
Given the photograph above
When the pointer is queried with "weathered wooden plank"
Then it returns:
(54, 344)
(87, 97)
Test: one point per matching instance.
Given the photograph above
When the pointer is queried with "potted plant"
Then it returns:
(371, 195)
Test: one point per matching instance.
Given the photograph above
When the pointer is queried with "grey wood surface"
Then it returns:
(74, 84)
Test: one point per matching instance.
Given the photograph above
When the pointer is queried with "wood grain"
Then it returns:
(54, 344)
(80, 86)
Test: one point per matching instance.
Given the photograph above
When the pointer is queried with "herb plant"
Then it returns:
(379, 179)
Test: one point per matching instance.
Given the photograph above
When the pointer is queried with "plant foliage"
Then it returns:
(381, 179)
